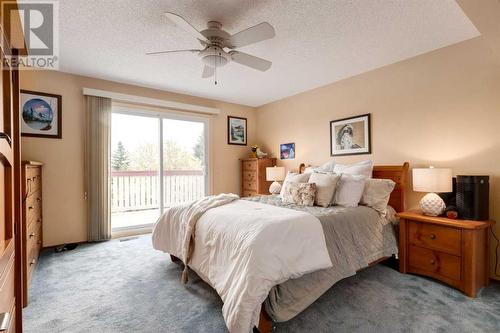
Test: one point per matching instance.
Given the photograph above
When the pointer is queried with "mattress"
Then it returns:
(355, 237)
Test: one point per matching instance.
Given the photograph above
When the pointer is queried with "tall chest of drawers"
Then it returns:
(253, 176)
(32, 220)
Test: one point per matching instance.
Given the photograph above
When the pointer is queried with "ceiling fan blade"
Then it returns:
(173, 51)
(250, 61)
(207, 72)
(182, 23)
(251, 35)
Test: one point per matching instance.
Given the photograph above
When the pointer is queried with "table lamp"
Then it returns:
(432, 180)
(275, 174)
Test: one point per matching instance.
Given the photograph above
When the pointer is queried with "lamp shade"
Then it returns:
(432, 180)
(275, 174)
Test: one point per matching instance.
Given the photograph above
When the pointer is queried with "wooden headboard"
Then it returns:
(397, 173)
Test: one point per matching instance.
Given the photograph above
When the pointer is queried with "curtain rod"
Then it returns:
(150, 101)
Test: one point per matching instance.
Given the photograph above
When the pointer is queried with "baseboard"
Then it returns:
(131, 232)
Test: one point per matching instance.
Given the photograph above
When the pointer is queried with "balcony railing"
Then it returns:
(140, 190)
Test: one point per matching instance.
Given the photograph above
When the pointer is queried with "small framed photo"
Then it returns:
(287, 151)
(350, 136)
(236, 131)
(41, 114)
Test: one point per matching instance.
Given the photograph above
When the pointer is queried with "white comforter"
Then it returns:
(243, 249)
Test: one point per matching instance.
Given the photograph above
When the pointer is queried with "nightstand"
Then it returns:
(455, 252)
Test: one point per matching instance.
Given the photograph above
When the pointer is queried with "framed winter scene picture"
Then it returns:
(236, 130)
(41, 114)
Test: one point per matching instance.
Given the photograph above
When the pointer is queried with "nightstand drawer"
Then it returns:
(435, 262)
(435, 237)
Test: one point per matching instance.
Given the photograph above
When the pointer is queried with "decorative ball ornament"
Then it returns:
(432, 205)
(275, 188)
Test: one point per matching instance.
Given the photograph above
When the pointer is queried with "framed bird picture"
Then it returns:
(350, 136)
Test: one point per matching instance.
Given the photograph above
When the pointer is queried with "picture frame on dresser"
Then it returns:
(40, 114)
(351, 136)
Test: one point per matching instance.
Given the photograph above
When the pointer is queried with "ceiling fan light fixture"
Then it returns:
(214, 60)
(215, 40)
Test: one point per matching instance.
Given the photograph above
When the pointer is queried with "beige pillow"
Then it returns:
(325, 187)
(377, 193)
(300, 193)
(292, 177)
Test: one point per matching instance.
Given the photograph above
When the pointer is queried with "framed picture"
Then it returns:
(287, 151)
(350, 136)
(236, 131)
(41, 114)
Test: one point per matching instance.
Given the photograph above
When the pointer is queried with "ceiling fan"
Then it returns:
(215, 40)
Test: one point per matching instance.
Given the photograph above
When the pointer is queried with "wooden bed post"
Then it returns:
(175, 259)
(265, 322)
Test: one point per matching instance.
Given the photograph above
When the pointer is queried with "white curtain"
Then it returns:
(97, 157)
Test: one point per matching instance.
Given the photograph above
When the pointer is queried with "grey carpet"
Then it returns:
(129, 287)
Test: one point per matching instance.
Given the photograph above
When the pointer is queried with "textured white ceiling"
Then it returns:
(317, 41)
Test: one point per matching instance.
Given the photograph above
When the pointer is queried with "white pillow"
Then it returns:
(364, 168)
(310, 169)
(327, 167)
(292, 177)
(349, 190)
(377, 193)
(325, 187)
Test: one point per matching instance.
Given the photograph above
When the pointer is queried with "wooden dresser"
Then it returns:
(253, 176)
(455, 252)
(32, 220)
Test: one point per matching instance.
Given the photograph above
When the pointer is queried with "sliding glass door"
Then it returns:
(183, 161)
(143, 143)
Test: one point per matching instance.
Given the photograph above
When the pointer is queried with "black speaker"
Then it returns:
(473, 195)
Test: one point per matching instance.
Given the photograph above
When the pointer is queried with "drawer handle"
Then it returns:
(432, 262)
(33, 261)
(39, 242)
(432, 236)
(30, 207)
(4, 321)
(32, 235)
(38, 199)
(39, 220)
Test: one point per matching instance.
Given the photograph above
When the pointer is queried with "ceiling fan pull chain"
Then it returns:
(215, 66)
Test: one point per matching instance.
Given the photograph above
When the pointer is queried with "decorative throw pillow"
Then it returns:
(325, 187)
(377, 193)
(349, 190)
(364, 168)
(293, 177)
(300, 193)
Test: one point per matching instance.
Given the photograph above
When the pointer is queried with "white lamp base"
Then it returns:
(432, 205)
(275, 188)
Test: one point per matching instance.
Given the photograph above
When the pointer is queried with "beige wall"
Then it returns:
(441, 108)
(64, 204)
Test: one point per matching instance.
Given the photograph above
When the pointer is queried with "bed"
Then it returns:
(355, 238)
